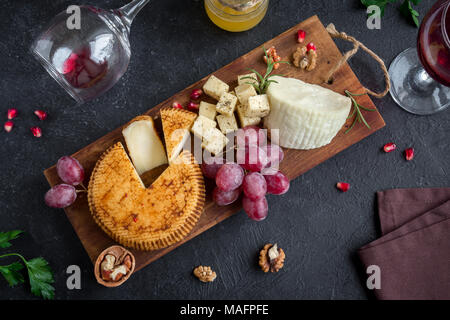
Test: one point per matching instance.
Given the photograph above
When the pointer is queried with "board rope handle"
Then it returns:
(356, 45)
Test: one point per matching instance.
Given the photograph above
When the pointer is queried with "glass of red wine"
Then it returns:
(421, 78)
(89, 58)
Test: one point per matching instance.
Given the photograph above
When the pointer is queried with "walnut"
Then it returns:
(271, 258)
(304, 58)
(205, 274)
(114, 266)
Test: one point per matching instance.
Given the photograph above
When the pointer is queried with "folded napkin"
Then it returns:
(414, 252)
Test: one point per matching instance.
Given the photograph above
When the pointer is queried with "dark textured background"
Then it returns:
(174, 44)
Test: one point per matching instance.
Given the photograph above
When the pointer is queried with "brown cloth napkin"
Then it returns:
(414, 252)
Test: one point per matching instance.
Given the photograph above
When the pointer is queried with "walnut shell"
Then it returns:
(120, 253)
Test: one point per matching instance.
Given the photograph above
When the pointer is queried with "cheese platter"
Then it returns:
(236, 101)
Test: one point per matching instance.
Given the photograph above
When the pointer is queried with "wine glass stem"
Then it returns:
(130, 10)
(421, 80)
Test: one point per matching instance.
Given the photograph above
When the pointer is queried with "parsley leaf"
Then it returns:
(5, 237)
(41, 277)
(11, 273)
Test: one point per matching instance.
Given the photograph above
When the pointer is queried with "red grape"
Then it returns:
(255, 186)
(252, 158)
(224, 198)
(256, 209)
(210, 166)
(251, 136)
(229, 177)
(277, 183)
(275, 155)
(70, 170)
(61, 196)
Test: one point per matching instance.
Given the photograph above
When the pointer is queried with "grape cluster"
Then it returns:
(71, 173)
(254, 175)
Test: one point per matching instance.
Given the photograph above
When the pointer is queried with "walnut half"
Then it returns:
(271, 258)
(305, 59)
(205, 274)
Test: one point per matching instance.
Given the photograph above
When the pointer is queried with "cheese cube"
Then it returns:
(226, 104)
(201, 125)
(243, 92)
(258, 106)
(246, 121)
(227, 124)
(215, 87)
(207, 110)
(214, 141)
(246, 81)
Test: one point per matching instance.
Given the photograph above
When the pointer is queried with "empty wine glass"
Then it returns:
(89, 59)
(421, 78)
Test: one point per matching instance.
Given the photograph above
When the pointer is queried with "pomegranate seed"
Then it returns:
(135, 217)
(343, 186)
(389, 147)
(42, 115)
(301, 36)
(196, 94)
(310, 46)
(409, 154)
(192, 106)
(37, 132)
(8, 126)
(176, 105)
(12, 113)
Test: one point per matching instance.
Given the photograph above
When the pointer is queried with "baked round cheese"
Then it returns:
(307, 116)
(145, 218)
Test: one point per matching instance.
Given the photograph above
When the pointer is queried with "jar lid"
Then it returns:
(240, 5)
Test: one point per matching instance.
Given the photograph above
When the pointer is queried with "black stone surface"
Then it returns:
(174, 44)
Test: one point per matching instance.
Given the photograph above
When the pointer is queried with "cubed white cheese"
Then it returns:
(258, 106)
(226, 104)
(246, 121)
(215, 87)
(207, 110)
(254, 79)
(201, 124)
(243, 92)
(227, 124)
(214, 140)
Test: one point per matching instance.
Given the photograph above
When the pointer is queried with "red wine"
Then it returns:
(83, 72)
(434, 43)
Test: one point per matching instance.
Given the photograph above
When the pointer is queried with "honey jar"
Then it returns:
(236, 15)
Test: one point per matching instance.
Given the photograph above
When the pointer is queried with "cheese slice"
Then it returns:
(176, 124)
(307, 116)
(144, 145)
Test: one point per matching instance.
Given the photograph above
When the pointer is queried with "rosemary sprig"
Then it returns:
(264, 81)
(356, 113)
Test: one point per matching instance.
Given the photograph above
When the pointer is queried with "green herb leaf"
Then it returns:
(11, 273)
(41, 277)
(406, 7)
(5, 237)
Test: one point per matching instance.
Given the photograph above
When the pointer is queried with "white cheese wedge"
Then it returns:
(306, 115)
(144, 145)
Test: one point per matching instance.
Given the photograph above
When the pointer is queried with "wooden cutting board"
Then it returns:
(296, 162)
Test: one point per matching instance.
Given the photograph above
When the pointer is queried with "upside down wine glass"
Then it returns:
(421, 78)
(89, 58)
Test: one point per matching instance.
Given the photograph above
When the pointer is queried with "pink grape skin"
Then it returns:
(224, 198)
(210, 167)
(70, 170)
(256, 209)
(252, 158)
(275, 155)
(251, 136)
(60, 196)
(229, 177)
(255, 186)
(277, 183)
